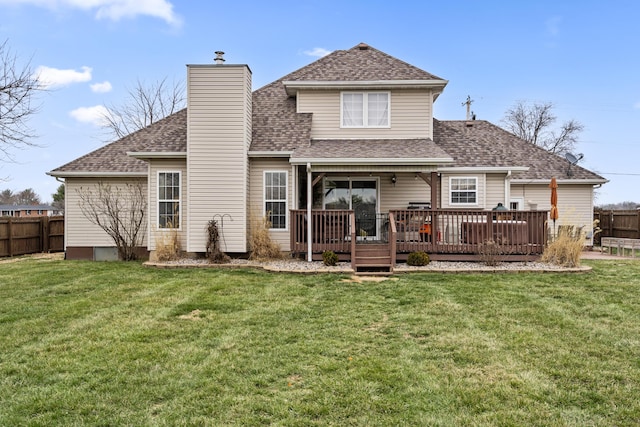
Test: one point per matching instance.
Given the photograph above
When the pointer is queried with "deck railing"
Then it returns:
(331, 230)
(435, 231)
(446, 231)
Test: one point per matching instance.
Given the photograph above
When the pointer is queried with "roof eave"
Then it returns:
(590, 181)
(270, 153)
(293, 86)
(93, 174)
(370, 161)
(484, 169)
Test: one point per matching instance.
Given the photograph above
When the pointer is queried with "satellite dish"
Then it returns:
(572, 158)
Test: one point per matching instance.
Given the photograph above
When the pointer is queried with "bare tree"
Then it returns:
(119, 211)
(27, 197)
(17, 88)
(145, 104)
(24, 197)
(534, 123)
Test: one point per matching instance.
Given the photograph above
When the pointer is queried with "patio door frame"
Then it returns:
(350, 180)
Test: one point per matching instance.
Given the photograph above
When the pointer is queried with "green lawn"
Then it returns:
(86, 343)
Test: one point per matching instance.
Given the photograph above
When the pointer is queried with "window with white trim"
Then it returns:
(365, 109)
(168, 199)
(463, 190)
(275, 198)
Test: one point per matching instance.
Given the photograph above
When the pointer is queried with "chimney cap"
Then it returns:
(219, 59)
(363, 46)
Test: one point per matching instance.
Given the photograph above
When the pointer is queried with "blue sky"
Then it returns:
(580, 55)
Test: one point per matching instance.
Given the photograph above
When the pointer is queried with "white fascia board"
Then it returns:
(370, 161)
(484, 169)
(561, 181)
(293, 86)
(87, 174)
(270, 153)
(157, 155)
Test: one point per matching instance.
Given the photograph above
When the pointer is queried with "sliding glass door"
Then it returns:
(361, 195)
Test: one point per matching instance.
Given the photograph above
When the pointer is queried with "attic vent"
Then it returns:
(363, 46)
(219, 57)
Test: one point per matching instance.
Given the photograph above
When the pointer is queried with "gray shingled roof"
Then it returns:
(277, 127)
(483, 144)
(371, 148)
(360, 63)
(166, 135)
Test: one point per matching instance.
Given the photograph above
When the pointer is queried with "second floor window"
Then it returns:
(365, 109)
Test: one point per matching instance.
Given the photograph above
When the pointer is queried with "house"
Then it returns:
(340, 152)
(22, 211)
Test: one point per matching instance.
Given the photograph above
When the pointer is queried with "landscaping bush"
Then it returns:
(566, 249)
(168, 246)
(214, 253)
(418, 259)
(262, 247)
(329, 258)
(492, 252)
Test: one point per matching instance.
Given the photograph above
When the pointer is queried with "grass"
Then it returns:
(86, 343)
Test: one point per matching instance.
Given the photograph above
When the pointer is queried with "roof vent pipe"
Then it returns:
(219, 57)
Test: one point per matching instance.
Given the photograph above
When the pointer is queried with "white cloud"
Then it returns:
(112, 9)
(103, 87)
(54, 77)
(317, 52)
(93, 115)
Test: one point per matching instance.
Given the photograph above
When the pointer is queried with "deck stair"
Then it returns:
(373, 259)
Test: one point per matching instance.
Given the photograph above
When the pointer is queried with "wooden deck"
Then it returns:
(442, 233)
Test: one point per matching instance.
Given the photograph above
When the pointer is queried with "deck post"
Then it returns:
(309, 219)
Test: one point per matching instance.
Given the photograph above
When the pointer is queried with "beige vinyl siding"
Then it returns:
(407, 189)
(256, 194)
(218, 137)
(446, 196)
(495, 191)
(79, 231)
(575, 202)
(166, 166)
(411, 115)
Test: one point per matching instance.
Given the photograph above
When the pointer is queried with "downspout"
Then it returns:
(309, 205)
(507, 190)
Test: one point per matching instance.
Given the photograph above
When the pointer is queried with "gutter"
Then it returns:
(369, 161)
(97, 174)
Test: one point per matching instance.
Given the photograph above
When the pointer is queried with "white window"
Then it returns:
(168, 199)
(275, 198)
(516, 204)
(463, 191)
(365, 109)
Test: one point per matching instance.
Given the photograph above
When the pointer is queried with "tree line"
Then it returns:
(29, 197)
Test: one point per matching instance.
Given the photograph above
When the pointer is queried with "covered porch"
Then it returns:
(373, 202)
(380, 240)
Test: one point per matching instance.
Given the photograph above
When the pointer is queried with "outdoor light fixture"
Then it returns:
(394, 179)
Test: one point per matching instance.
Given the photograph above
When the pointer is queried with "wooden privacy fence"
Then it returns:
(21, 236)
(621, 224)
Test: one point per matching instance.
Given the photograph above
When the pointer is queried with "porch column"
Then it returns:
(435, 189)
(309, 206)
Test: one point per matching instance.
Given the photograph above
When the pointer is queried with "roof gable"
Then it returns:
(360, 63)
